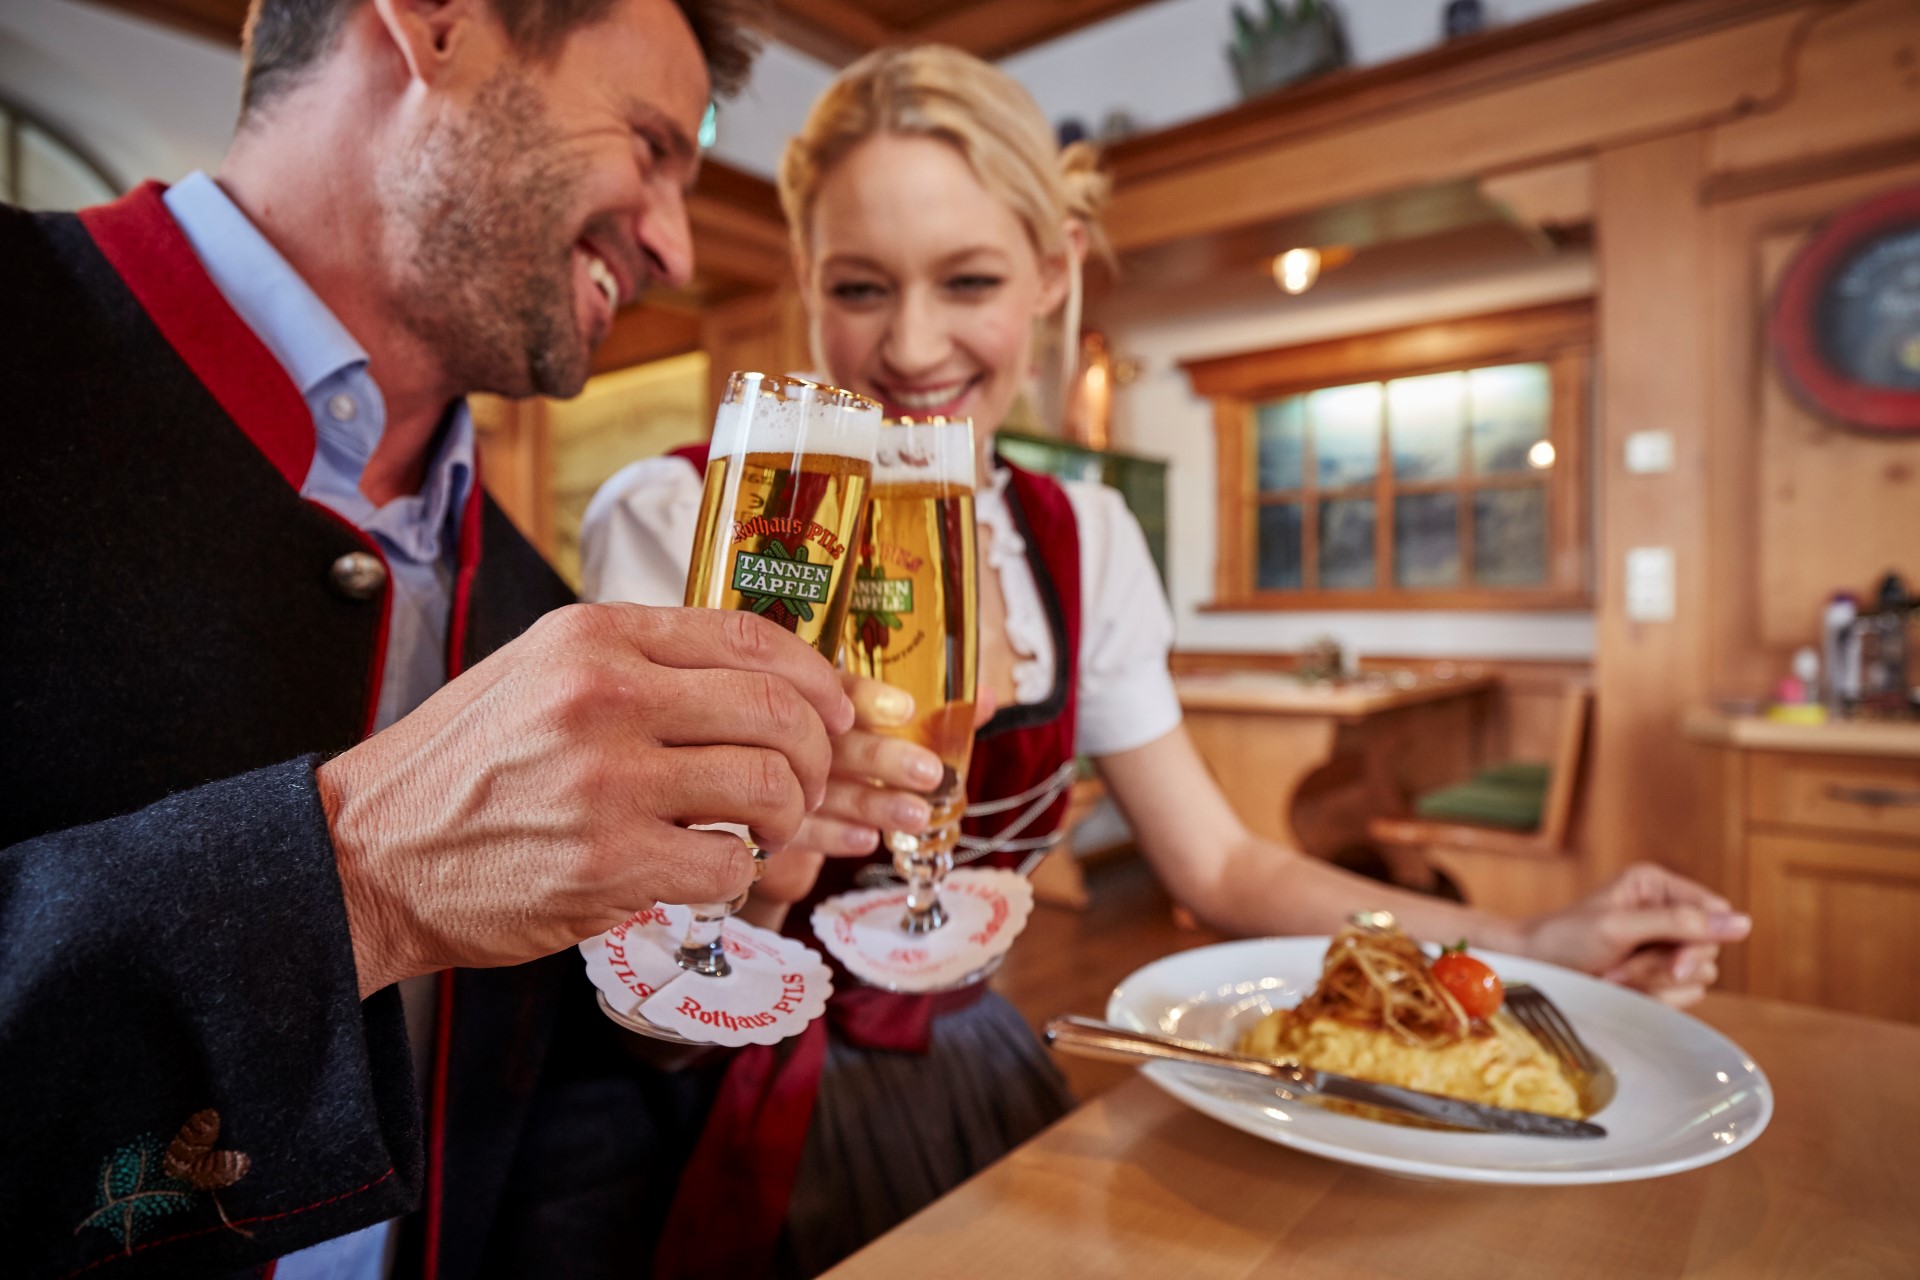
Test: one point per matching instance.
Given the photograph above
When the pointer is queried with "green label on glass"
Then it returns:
(883, 595)
(775, 574)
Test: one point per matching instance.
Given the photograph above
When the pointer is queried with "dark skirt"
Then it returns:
(892, 1132)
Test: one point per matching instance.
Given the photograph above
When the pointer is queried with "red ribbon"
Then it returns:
(732, 1199)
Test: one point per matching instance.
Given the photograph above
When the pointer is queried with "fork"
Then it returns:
(1542, 1017)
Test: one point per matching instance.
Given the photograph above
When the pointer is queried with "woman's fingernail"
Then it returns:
(860, 839)
(893, 705)
(1685, 968)
(911, 815)
(1729, 924)
(925, 767)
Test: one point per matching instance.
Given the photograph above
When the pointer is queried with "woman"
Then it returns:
(936, 228)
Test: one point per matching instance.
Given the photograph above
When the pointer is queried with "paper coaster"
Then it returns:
(776, 988)
(986, 910)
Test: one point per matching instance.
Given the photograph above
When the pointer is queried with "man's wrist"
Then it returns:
(370, 925)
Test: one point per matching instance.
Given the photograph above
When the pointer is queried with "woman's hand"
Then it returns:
(874, 785)
(1649, 929)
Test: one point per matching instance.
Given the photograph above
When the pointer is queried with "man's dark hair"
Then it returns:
(285, 38)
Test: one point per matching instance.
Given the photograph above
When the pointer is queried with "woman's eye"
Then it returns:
(973, 284)
(855, 291)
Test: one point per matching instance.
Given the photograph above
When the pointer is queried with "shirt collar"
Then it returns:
(308, 340)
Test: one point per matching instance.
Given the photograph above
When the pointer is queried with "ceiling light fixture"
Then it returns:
(1297, 269)
(1540, 456)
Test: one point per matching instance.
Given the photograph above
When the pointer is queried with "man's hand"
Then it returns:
(1649, 929)
(545, 795)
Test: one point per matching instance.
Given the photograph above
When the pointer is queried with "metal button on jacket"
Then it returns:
(358, 575)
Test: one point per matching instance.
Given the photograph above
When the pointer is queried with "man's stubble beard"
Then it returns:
(478, 217)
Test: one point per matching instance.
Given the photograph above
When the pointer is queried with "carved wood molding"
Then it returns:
(1522, 52)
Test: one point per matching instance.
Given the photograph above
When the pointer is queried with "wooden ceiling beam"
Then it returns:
(996, 28)
(1579, 80)
(842, 23)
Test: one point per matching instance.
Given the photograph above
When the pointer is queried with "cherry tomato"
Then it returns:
(1475, 986)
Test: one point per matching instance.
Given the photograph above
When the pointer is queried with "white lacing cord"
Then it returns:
(1038, 799)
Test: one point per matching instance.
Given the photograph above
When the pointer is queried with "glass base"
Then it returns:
(640, 1026)
(709, 959)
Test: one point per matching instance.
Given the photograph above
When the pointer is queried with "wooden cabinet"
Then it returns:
(1828, 844)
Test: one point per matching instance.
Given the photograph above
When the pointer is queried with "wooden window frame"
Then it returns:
(1559, 335)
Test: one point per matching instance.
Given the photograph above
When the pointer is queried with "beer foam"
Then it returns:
(926, 453)
(835, 425)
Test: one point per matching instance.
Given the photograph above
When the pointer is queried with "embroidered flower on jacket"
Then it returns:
(146, 1180)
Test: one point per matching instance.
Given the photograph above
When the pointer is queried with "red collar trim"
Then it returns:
(145, 246)
(469, 562)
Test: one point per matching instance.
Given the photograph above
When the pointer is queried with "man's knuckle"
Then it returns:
(773, 781)
(748, 636)
(777, 703)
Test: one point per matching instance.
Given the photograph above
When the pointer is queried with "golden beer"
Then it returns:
(914, 622)
(780, 513)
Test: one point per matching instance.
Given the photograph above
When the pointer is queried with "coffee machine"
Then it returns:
(1875, 676)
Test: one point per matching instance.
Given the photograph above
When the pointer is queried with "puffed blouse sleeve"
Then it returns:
(637, 536)
(1126, 694)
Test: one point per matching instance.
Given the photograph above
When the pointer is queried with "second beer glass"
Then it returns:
(914, 623)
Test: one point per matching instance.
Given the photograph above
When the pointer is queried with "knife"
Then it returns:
(1091, 1038)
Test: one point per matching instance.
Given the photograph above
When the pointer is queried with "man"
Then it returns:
(243, 531)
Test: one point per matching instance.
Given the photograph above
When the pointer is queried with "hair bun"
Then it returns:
(1086, 186)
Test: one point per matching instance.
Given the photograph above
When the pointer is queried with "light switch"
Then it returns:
(1650, 584)
(1649, 451)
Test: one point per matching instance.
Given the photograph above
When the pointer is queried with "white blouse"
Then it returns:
(637, 537)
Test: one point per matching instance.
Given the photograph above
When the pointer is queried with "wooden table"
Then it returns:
(1136, 1184)
(1307, 764)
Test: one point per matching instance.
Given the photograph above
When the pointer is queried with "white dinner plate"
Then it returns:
(1688, 1095)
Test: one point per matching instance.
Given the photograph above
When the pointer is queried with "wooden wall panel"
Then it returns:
(1644, 793)
(511, 436)
(1799, 507)
(766, 333)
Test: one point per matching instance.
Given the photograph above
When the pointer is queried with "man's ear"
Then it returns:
(429, 34)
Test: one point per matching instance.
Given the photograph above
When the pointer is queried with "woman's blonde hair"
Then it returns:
(932, 90)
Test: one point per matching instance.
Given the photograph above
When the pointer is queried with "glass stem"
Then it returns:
(923, 861)
(701, 951)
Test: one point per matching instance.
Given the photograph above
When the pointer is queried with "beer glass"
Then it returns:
(914, 623)
(779, 524)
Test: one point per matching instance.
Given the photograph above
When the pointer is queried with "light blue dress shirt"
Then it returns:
(418, 534)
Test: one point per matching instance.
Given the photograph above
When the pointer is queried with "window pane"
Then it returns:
(1279, 566)
(1425, 417)
(1346, 433)
(1281, 430)
(1346, 543)
(1510, 537)
(1510, 404)
(1426, 540)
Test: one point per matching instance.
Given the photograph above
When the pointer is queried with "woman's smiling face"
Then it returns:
(923, 286)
